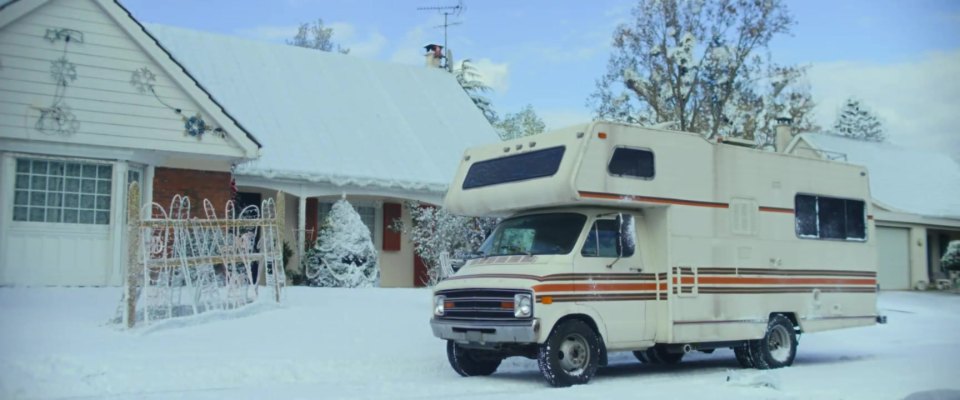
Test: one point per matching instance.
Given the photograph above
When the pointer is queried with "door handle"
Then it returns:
(636, 269)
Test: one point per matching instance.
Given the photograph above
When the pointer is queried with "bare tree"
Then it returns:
(526, 122)
(314, 35)
(703, 66)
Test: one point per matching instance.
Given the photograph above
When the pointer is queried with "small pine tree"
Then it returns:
(344, 255)
(856, 122)
(951, 259)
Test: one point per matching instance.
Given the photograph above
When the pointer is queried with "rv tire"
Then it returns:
(778, 347)
(471, 362)
(571, 354)
(743, 355)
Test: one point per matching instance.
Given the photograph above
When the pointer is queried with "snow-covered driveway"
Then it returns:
(376, 344)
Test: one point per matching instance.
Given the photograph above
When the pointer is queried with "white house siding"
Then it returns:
(117, 126)
(110, 110)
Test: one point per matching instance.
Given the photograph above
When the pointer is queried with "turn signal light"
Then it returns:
(602, 135)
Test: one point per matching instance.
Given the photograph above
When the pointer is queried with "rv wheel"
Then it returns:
(571, 354)
(471, 362)
(743, 356)
(778, 347)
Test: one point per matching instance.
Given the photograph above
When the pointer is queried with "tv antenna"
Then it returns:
(447, 11)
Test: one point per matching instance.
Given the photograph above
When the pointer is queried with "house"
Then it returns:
(916, 202)
(334, 125)
(88, 103)
(92, 99)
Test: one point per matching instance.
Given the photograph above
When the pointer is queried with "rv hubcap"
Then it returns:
(778, 343)
(574, 354)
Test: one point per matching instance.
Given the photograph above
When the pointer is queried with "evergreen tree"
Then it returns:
(314, 35)
(523, 123)
(856, 122)
(344, 255)
(469, 79)
(951, 259)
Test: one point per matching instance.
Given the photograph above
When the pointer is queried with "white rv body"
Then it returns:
(720, 246)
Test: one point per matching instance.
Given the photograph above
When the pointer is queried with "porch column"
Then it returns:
(302, 225)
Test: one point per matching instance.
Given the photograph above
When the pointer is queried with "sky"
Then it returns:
(900, 58)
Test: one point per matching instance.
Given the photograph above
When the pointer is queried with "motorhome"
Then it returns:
(624, 238)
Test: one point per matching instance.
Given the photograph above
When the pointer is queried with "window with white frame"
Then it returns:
(62, 192)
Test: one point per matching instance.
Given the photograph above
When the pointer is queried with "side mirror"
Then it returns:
(626, 239)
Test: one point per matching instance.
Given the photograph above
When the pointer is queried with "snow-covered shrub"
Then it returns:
(344, 255)
(435, 231)
(951, 259)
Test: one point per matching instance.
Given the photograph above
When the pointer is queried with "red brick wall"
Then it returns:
(197, 185)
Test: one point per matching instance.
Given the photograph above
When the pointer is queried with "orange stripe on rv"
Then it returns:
(717, 280)
(658, 200)
(777, 210)
(591, 287)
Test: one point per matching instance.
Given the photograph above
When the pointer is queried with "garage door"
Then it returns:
(58, 232)
(894, 257)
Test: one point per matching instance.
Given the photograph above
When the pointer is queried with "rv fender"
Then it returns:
(588, 316)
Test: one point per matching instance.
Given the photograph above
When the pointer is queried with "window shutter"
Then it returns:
(391, 238)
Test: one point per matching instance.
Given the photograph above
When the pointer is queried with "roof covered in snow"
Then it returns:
(334, 118)
(901, 179)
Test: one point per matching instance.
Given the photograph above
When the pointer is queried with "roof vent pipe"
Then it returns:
(784, 133)
(434, 55)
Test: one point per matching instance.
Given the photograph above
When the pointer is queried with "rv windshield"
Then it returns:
(534, 234)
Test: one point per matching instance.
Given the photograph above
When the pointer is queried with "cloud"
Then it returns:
(347, 36)
(410, 49)
(495, 75)
(917, 100)
(274, 33)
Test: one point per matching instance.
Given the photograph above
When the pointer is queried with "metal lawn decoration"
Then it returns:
(181, 266)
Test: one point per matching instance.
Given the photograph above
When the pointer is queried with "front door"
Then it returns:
(610, 277)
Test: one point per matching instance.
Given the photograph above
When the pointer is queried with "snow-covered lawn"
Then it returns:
(377, 344)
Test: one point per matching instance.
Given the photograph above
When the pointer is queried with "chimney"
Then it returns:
(434, 55)
(783, 134)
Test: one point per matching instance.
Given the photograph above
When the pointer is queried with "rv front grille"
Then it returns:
(480, 304)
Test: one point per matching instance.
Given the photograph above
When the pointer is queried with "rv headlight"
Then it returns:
(522, 305)
(438, 301)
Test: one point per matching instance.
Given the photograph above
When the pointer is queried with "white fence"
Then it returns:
(180, 266)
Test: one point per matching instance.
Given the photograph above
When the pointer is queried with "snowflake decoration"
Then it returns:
(143, 80)
(57, 120)
(195, 126)
(62, 71)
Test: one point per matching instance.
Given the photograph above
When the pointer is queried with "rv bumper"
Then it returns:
(487, 331)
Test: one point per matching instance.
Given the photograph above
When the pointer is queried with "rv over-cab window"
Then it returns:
(821, 217)
(637, 163)
(519, 167)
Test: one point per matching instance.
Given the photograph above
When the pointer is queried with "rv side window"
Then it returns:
(821, 217)
(518, 167)
(636, 163)
(602, 240)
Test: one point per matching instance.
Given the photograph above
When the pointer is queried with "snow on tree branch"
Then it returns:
(855, 121)
(344, 255)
